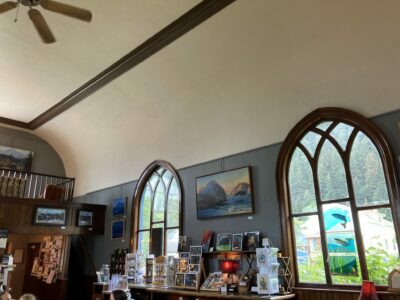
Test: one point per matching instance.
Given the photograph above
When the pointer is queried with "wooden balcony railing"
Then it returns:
(15, 184)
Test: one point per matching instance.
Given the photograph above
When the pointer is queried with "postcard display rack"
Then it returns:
(164, 271)
(6, 266)
(135, 267)
(268, 266)
(285, 275)
(190, 268)
(49, 263)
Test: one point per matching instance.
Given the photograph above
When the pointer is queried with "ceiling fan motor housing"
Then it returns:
(30, 2)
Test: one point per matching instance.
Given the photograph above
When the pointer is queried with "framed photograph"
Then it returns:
(184, 255)
(191, 280)
(206, 240)
(194, 268)
(252, 240)
(225, 194)
(237, 241)
(195, 250)
(15, 159)
(84, 218)
(224, 242)
(18, 256)
(119, 207)
(117, 229)
(184, 243)
(180, 279)
(195, 259)
(50, 216)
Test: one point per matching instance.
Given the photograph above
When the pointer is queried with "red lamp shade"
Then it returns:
(228, 266)
(368, 291)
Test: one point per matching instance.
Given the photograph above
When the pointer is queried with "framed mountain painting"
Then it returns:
(225, 194)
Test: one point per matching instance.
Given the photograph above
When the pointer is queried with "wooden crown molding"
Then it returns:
(195, 16)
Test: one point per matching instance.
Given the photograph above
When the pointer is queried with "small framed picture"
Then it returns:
(183, 265)
(180, 279)
(117, 229)
(191, 280)
(118, 207)
(224, 242)
(84, 218)
(195, 259)
(50, 216)
(252, 240)
(18, 256)
(184, 255)
(237, 241)
(194, 268)
(195, 250)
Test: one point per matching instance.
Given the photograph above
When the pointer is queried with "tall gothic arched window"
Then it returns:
(157, 204)
(339, 197)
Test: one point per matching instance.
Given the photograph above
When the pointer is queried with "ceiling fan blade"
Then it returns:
(68, 10)
(6, 6)
(41, 26)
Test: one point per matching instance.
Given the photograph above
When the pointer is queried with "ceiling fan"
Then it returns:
(37, 18)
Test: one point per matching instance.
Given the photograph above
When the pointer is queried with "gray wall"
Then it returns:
(45, 158)
(266, 217)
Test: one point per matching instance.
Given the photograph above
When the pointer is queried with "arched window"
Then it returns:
(339, 200)
(157, 204)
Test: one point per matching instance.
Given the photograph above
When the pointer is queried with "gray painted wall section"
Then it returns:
(266, 217)
(45, 158)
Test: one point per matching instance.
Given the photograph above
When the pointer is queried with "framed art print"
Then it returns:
(225, 194)
(119, 207)
(50, 216)
(117, 229)
(84, 218)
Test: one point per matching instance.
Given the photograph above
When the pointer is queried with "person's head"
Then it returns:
(28, 297)
(4, 294)
(118, 295)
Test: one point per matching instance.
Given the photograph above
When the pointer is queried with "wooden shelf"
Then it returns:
(232, 251)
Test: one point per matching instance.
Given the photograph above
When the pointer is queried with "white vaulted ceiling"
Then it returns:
(238, 81)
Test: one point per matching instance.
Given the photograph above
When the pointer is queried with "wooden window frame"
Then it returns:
(139, 189)
(292, 140)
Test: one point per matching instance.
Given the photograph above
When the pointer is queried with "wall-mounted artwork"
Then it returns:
(85, 218)
(118, 207)
(117, 229)
(51, 216)
(15, 159)
(225, 194)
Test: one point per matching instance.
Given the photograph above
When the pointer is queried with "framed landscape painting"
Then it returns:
(15, 159)
(225, 194)
(51, 216)
(85, 218)
(118, 207)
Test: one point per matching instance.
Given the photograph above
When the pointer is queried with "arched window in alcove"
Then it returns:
(157, 204)
(339, 200)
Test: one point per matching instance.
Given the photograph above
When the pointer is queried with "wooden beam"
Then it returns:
(166, 36)
(14, 123)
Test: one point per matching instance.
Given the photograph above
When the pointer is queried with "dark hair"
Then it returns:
(119, 295)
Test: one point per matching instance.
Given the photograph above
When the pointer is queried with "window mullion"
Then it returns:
(314, 166)
(356, 221)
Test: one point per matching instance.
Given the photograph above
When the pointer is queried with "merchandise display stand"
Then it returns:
(286, 274)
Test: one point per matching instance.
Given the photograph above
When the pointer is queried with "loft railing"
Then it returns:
(16, 184)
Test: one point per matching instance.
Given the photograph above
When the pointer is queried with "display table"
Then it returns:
(150, 292)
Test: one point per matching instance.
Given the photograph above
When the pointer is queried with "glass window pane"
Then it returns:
(341, 133)
(380, 243)
(301, 184)
(367, 173)
(172, 241)
(154, 180)
(310, 262)
(158, 225)
(310, 141)
(342, 251)
(167, 178)
(145, 208)
(324, 125)
(160, 171)
(159, 202)
(173, 205)
(331, 174)
(144, 242)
